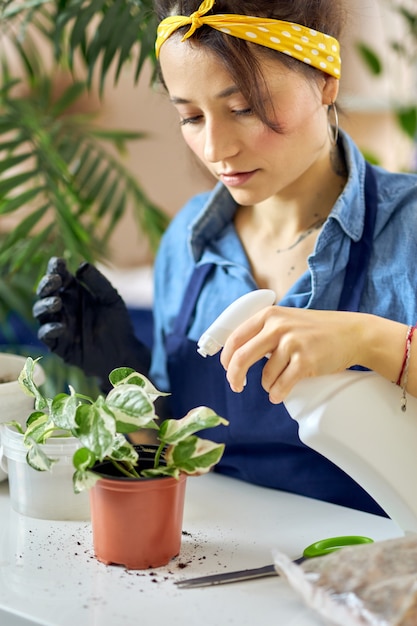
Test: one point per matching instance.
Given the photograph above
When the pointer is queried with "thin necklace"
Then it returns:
(315, 226)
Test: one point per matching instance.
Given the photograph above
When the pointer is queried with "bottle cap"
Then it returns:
(207, 346)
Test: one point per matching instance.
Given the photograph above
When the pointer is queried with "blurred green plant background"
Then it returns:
(63, 183)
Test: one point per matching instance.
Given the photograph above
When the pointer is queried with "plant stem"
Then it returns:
(158, 455)
(130, 473)
(50, 433)
(83, 397)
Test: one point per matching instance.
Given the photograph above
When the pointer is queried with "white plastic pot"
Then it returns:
(48, 494)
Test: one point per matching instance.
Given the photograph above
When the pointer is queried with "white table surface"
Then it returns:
(49, 575)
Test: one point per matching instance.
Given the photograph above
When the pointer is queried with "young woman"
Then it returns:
(297, 210)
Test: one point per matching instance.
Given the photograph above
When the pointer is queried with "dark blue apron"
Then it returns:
(262, 443)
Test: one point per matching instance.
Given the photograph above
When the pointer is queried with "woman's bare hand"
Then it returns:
(303, 343)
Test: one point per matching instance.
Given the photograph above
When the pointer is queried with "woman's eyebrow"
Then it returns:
(225, 93)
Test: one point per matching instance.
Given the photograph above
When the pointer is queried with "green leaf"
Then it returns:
(38, 460)
(172, 471)
(172, 431)
(10, 146)
(24, 228)
(83, 459)
(13, 161)
(370, 58)
(28, 385)
(70, 95)
(27, 250)
(83, 480)
(371, 157)
(83, 18)
(147, 44)
(410, 18)
(63, 410)
(119, 375)
(95, 427)
(20, 7)
(9, 205)
(13, 182)
(194, 456)
(128, 376)
(407, 119)
(118, 136)
(16, 425)
(121, 12)
(132, 408)
(38, 428)
(124, 451)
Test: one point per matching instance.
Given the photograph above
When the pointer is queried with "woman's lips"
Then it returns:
(236, 179)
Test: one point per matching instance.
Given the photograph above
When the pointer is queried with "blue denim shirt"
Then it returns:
(203, 232)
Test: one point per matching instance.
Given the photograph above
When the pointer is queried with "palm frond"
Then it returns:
(70, 188)
(62, 180)
(103, 32)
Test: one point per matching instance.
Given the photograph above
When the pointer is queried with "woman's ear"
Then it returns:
(330, 90)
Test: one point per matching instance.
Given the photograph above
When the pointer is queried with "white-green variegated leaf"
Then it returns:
(63, 408)
(83, 459)
(82, 480)
(37, 458)
(120, 375)
(128, 376)
(172, 431)
(193, 455)
(16, 425)
(95, 427)
(132, 408)
(173, 472)
(29, 386)
(123, 451)
(38, 428)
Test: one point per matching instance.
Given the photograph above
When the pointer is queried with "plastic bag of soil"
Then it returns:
(364, 585)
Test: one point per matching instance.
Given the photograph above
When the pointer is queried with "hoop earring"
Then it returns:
(333, 128)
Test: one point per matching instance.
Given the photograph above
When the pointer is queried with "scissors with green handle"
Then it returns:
(319, 548)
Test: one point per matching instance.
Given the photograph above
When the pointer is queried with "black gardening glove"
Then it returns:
(85, 321)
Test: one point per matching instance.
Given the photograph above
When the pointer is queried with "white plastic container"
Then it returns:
(48, 494)
(355, 419)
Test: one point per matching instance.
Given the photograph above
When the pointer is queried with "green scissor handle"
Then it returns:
(319, 548)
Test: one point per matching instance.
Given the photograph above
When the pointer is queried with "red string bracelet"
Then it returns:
(408, 338)
(403, 376)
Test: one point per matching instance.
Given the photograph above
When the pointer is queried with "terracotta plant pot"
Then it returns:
(136, 523)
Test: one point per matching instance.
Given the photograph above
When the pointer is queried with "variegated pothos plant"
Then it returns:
(101, 425)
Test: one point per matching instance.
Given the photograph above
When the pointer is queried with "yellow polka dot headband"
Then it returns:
(300, 42)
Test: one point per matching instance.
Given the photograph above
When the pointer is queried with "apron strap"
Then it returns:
(360, 251)
(191, 294)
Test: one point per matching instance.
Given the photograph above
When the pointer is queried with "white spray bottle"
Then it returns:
(355, 419)
(214, 338)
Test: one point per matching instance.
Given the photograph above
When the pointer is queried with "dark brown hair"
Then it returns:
(240, 57)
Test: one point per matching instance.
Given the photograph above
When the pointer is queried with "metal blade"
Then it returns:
(227, 577)
(231, 577)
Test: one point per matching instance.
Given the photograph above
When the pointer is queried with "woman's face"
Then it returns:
(252, 160)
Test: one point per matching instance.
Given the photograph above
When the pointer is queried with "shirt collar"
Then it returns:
(216, 214)
(349, 208)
